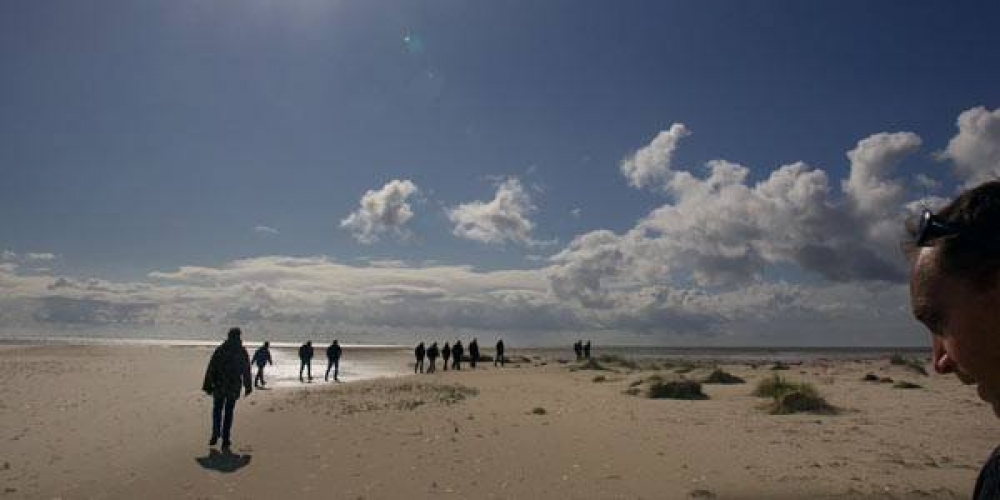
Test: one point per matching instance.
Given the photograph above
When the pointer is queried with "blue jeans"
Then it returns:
(218, 420)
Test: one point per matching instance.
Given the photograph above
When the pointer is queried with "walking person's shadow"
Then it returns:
(224, 461)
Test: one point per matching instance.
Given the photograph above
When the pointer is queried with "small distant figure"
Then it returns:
(333, 360)
(261, 357)
(456, 355)
(445, 355)
(305, 359)
(228, 371)
(586, 350)
(419, 354)
(473, 353)
(432, 356)
(499, 356)
(578, 349)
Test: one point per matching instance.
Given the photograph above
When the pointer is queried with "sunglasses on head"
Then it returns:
(932, 228)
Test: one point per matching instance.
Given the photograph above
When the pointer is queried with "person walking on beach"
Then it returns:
(228, 372)
(432, 356)
(955, 293)
(456, 355)
(261, 357)
(445, 355)
(419, 354)
(499, 356)
(305, 360)
(473, 353)
(578, 349)
(586, 350)
(333, 353)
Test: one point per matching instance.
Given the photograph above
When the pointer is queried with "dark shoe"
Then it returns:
(227, 444)
(213, 441)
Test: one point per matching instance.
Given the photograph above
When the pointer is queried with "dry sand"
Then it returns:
(130, 422)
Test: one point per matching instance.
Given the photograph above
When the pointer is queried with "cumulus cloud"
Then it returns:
(385, 211)
(501, 220)
(265, 230)
(652, 165)
(975, 150)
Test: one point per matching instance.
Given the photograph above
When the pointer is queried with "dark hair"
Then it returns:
(235, 332)
(974, 253)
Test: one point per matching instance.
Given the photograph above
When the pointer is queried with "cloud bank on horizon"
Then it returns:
(796, 257)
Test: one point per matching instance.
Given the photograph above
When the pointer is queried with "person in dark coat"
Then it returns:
(419, 354)
(305, 360)
(499, 356)
(333, 353)
(445, 355)
(456, 355)
(578, 349)
(432, 356)
(586, 350)
(473, 353)
(260, 358)
(228, 371)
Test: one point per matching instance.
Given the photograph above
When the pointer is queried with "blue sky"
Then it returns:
(140, 138)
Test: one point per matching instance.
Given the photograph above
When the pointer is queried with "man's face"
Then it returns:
(964, 324)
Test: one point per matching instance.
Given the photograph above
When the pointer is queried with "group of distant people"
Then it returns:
(582, 350)
(333, 352)
(453, 353)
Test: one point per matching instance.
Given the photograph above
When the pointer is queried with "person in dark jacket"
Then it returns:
(305, 360)
(456, 355)
(955, 293)
(432, 356)
(419, 354)
(499, 356)
(446, 355)
(228, 372)
(260, 358)
(578, 349)
(473, 353)
(333, 360)
(586, 350)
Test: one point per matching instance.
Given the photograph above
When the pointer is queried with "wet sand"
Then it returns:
(128, 422)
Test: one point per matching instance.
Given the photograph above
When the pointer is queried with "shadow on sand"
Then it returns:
(223, 461)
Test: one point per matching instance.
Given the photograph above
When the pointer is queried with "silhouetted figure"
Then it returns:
(445, 355)
(432, 356)
(419, 354)
(333, 360)
(473, 353)
(578, 349)
(586, 350)
(305, 359)
(260, 358)
(456, 355)
(499, 357)
(228, 371)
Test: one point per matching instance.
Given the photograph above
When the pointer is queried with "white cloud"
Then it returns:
(44, 256)
(975, 150)
(576, 212)
(501, 220)
(652, 165)
(8, 255)
(265, 230)
(385, 211)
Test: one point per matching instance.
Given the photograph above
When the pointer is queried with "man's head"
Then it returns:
(234, 333)
(955, 288)
(267, 344)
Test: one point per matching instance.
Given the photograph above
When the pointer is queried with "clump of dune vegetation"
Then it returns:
(600, 378)
(913, 364)
(676, 389)
(538, 410)
(780, 366)
(902, 384)
(792, 397)
(870, 377)
(612, 359)
(722, 377)
(590, 364)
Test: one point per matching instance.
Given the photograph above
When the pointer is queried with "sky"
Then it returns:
(656, 173)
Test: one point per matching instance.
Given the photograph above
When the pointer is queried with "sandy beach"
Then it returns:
(131, 422)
